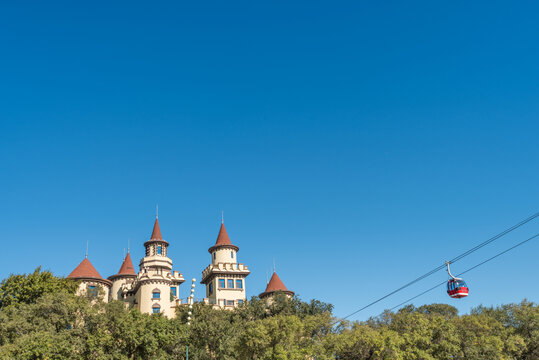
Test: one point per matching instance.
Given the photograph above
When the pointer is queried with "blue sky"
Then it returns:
(360, 144)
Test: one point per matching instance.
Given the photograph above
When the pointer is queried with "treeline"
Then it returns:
(41, 318)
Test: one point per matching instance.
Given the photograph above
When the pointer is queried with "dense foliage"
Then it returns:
(41, 318)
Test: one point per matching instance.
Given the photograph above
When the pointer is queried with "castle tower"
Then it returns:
(224, 277)
(92, 283)
(275, 284)
(156, 287)
(125, 276)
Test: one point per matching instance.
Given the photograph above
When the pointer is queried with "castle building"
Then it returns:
(274, 285)
(224, 277)
(155, 287)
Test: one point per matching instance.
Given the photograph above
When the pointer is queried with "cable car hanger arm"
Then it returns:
(449, 271)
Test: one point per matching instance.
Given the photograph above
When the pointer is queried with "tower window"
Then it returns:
(221, 283)
(232, 254)
(213, 256)
(231, 283)
(211, 288)
(239, 284)
(92, 291)
(173, 291)
(156, 309)
(159, 250)
(156, 294)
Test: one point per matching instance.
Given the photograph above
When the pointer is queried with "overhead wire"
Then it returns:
(455, 259)
(464, 272)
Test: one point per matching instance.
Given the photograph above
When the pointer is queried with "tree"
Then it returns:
(27, 288)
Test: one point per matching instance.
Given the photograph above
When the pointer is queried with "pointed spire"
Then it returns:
(85, 270)
(222, 238)
(127, 267)
(275, 284)
(156, 233)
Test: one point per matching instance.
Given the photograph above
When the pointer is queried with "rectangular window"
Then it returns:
(232, 254)
(211, 288)
(92, 290)
(230, 303)
(240, 302)
(213, 256)
(173, 291)
(156, 310)
(156, 295)
(231, 283)
(159, 250)
(239, 284)
(221, 283)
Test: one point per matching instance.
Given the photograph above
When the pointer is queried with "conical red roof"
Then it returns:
(85, 270)
(275, 284)
(127, 267)
(222, 238)
(156, 233)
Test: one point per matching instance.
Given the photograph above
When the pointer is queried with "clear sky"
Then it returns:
(359, 143)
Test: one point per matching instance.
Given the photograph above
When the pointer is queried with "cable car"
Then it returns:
(456, 287)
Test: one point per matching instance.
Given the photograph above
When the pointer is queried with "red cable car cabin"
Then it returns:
(457, 288)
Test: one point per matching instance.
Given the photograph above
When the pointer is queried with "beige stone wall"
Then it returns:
(222, 296)
(224, 256)
(116, 289)
(100, 287)
(146, 300)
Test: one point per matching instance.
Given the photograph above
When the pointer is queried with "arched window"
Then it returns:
(156, 309)
(156, 294)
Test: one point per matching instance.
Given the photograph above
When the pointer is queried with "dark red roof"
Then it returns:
(222, 238)
(85, 270)
(156, 233)
(275, 284)
(127, 267)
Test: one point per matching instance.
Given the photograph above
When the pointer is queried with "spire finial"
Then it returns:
(273, 264)
(157, 211)
(128, 245)
(222, 217)
(86, 254)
